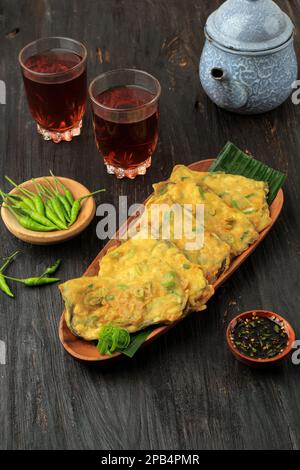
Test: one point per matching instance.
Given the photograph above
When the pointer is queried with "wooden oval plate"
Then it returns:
(85, 217)
(87, 351)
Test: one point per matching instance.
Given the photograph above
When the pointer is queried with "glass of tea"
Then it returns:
(125, 119)
(54, 74)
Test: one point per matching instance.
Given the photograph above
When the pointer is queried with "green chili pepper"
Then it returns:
(29, 203)
(74, 212)
(52, 269)
(53, 217)
(67, 192)
(26, 201)
(77, 205)
(5, 287)
(65, 206)
(32, 200)
(35, 216)
(64, 201)
(38, 201)
(18, 200)
(69, 196)
(3, 284)
(28, 223)
(34, 281)
(57, 209)
(8, 261)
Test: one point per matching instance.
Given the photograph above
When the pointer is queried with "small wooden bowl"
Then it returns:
(86, 215)
(250, 361)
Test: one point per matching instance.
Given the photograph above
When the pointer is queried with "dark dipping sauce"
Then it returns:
(259, 337)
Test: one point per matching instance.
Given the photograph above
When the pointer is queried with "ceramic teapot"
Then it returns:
(248, 63)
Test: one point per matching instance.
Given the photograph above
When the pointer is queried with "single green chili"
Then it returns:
(39, 205)
(65, 206)
(3, 284)
(8, 261)
(57, 209)
(74, 212)
(52, 269)
(54, 219)
(77, 206)
(69, 196)
(33, 281)
(5, 287)
(38, 201)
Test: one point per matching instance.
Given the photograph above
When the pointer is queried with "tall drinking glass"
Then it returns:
(125, 119)
(54, 74)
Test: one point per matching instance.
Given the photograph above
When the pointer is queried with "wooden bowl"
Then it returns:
(87, 351)
(250, 361)
(86, 215)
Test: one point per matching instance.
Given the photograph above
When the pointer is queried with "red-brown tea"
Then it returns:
(59, 104)
(130, 141)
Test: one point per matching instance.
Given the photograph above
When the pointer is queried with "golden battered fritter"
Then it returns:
(245, 194)
(140, 283)
(138, 255)
(229, 224)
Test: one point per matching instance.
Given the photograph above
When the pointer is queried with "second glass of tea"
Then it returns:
(125, 119)
(54, 73)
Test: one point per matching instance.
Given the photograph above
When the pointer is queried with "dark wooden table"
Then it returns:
(185, 391)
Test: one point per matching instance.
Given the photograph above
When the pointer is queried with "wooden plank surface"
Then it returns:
(186, 390)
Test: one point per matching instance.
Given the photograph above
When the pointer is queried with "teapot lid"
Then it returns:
(249, 25)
